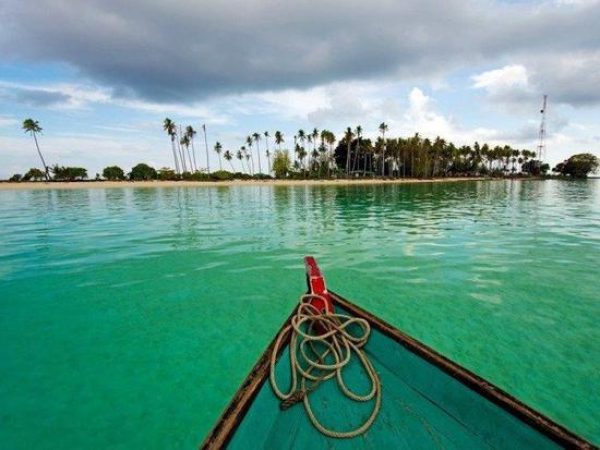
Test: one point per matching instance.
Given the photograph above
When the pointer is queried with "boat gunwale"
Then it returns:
(233, 415)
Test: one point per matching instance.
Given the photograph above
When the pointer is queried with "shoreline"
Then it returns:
(40, 185)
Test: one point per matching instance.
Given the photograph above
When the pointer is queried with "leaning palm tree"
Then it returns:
(190, 132)
(279, 139)
(383, 128)
(228, 156)
(171, 129)
(33, 127)
(218, 148)
(256, 137)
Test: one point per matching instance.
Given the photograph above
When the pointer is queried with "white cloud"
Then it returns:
(500, 80)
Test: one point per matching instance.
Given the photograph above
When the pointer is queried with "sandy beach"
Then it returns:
(166, 184)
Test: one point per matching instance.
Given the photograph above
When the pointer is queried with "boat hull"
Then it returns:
(428, 402)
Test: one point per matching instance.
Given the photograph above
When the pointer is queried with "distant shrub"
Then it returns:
(113, 173)
(241, 176)
(143, 172)
(61, 173)
(262, 176)
(200, 176)
(33, 174)
(16, 177)
(221, 175)
(167, 174)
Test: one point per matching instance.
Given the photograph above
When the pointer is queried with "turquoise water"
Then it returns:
(128, 317)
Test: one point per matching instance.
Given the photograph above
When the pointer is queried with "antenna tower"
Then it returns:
(541, 149)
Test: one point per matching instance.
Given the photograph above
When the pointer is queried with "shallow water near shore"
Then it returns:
(129, 316)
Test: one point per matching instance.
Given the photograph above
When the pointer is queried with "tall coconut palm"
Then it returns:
(315, 137)
(349, 135)
(249, 157)
(206, 146)
(185, 143)
(228, 156)
(301, 137)
(266, 133)
(279, 139)
(33, 127)
(256, 137)
(358, 132)
(190, 132)
(218, 149)
(171, 129)
(382, 129)
(182, 156)
(240, 155)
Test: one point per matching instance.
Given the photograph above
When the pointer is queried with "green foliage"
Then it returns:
(578, 166)
(167, 174)
(221, 175)
(262, 176)
(113, 173)
(199, 176)
(281, 163)
(34, 174)
(62, 173)
(16, 178)
(31, 126)
(143, 171)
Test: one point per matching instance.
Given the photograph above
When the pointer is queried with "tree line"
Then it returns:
(319, 154)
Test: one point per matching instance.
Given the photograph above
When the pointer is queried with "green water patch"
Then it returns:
(128, 317)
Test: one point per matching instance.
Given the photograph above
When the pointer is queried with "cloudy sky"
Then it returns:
(101, 75)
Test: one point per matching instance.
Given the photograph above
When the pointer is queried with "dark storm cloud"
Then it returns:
(186, 50)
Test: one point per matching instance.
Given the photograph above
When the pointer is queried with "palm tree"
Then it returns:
(279, 139)
(33, 127)
(358, 132)
(348, 136)
(266, 133)
(256, 137)
(239, 155)
(383, 128)
(190, 132)
(249, 157)
(171, 129)
(185, 142)
(218, 148)
(228, 156)
(206, 146)
(181, 154)
(329, 138)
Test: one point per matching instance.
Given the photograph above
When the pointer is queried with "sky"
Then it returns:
(101, 75)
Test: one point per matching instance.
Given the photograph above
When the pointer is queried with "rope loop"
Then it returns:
(321, 346)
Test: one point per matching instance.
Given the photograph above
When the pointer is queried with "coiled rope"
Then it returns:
(310, 328)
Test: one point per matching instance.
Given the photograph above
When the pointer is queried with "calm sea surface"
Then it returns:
(129, 317)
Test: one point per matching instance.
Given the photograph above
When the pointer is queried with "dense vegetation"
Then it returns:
(578, 166)
(319, 155)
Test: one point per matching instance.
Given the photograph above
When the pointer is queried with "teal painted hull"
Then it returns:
(426, 404)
